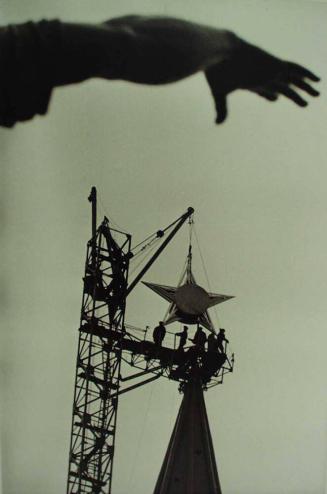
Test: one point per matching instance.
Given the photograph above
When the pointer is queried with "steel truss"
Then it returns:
(98, 363)
(104, 343)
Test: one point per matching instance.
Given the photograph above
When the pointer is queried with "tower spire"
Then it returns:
(189, 466)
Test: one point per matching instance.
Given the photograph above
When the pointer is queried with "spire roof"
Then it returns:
(189, 466)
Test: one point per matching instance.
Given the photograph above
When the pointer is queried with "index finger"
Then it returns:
(221, 108)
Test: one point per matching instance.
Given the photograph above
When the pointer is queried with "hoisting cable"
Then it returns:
(177, 224)
(140, 437)
(110, 218)
(189, 255)
(206, 275)
(153, 236)
(150, 244)
(156, 235)
(187, 266)
(181, 276)
(191, 223)
(145, 256)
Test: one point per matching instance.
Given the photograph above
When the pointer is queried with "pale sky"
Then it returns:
(258, 186)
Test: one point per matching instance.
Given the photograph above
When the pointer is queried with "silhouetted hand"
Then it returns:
(253, 69)
(139, 49)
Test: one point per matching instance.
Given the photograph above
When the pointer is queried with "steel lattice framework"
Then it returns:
(104, 343)
(98, 362)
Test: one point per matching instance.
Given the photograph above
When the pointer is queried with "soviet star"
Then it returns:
(189, 302)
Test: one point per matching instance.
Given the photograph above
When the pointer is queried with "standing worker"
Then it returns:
(200, 339)
(183, 338)
(212, 343)
(159, 333)
(220, 339)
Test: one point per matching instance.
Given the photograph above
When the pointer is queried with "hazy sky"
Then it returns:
(258, 185)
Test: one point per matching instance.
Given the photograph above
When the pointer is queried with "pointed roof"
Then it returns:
(189, 466)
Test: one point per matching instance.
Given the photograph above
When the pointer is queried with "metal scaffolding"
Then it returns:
(98, 362)
(105, 341)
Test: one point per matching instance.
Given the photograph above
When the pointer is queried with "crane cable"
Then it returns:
(102, 206)
(208, 282)
(142, 260)
(158, 234)
(146, 248)
(187, 263)
(189, 255)
(206, 274)
(140, 436)
(181, 276)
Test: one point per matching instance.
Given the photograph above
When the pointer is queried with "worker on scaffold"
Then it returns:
(212, 343)
(216, 354)
(199, 339)
(159, 334)
(220, 339)
(183, 338)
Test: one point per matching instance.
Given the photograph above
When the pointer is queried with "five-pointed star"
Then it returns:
(188, 302)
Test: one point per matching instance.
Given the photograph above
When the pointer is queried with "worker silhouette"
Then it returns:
(159, 334)
(215, 357)
(35, 57)
(183, 338)
(212, 343)
(199, 339)
(220, 339)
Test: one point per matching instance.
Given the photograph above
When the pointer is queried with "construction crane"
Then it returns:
(106, 340)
